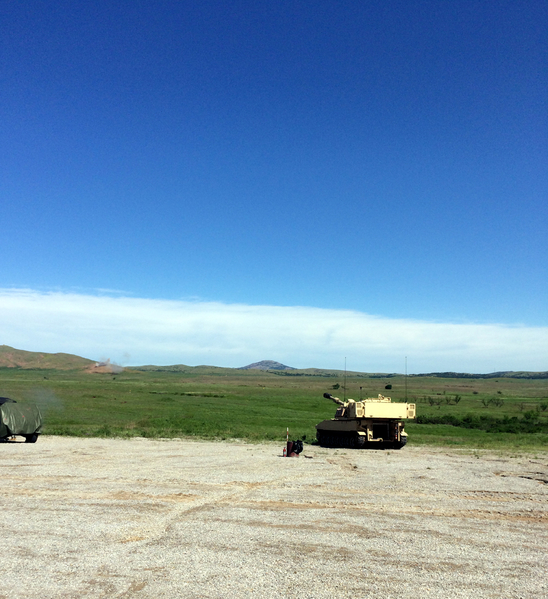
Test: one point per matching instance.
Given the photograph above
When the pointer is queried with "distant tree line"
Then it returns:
(529, 423)
(492, 375)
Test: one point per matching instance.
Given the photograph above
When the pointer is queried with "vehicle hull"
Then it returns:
(361, 433)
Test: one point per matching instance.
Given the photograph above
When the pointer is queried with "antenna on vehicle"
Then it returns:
(344, 387)
(405, 378)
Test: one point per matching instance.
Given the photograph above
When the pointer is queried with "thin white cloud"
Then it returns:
(144, 331)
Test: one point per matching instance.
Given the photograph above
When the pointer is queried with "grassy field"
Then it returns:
(216, 403)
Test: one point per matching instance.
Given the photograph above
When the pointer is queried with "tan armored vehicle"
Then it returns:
(372, 422)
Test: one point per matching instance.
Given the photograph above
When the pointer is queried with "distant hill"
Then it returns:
(266, 365)
(29, 360)
(507, 374)
(182, 368)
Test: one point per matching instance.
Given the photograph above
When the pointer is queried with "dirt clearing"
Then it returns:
(167, 519)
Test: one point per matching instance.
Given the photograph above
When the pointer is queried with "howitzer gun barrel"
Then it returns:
(335, 399)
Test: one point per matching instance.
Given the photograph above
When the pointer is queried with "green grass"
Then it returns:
(220, 403)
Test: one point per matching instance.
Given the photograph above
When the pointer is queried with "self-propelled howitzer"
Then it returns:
(372, 422)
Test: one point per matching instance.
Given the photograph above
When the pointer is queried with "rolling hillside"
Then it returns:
(28, 360)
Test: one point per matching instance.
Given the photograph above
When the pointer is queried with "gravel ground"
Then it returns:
(174, 518)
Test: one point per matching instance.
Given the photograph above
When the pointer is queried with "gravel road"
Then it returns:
(176, 518)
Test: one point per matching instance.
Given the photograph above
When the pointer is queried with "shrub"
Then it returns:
(450, 400)
(527, 424)
(434, 401)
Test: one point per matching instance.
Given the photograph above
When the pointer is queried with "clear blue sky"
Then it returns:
(387, 158)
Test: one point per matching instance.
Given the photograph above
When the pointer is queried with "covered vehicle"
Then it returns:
(19, 419)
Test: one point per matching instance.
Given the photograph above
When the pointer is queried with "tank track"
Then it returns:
(340, 439)
(354, 441)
